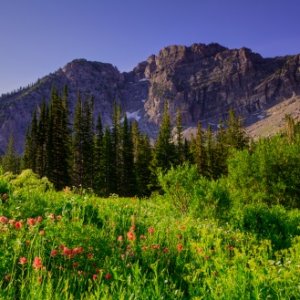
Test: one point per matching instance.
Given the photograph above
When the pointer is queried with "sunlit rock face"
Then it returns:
(202, 81)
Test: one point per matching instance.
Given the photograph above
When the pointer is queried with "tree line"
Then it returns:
(117, 159)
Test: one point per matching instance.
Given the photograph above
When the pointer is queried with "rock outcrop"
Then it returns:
(203, 81)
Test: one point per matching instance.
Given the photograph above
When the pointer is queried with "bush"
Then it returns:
(179, 185)
(274, 223)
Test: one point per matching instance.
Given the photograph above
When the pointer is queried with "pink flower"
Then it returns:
(131, 236)
(53, 253)
(31, 221)
(39, 219)
(77, 250)
(18, 225)
(3, 220)
(67, 251)
(37, 263)
(22, 260)
(179, 247)
(151, 230)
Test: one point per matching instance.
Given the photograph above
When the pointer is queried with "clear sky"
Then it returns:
(39, 36)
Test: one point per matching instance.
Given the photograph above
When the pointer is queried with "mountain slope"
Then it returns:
(203, 81)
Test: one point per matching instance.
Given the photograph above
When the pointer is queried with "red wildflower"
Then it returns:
(3, 220)
(37, 263)
(108, 276)
(151, 230)
(22, 260)
(18, 225)
(90, 255)
(166, 250)
(31, 221)
(95, 276)
(131, 236)
(179, 247)
(53, 253)
(77, 250)
(155, 246)
(67, 251)
(39, 219)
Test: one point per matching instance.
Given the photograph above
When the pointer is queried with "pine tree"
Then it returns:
(11, 161)
(235, 133)
(116, 149)
(108, 164)
(164, 150)
(209, 153)
(179, 139)
(198, 150)
(98, 159)
(42, 133)
(31, 142)
(128, 180)
(142, 166)
(58, 162)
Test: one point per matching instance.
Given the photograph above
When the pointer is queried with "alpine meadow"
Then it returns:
(126, 175)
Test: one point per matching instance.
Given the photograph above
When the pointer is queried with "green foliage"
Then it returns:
(179, 185)
(273, 223)
(270, 173)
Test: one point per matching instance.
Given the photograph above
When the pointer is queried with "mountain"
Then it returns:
(203, 81)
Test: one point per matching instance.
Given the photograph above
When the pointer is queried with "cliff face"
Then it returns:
(203, 81)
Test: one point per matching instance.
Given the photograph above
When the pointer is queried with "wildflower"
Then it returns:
(58, 218)
(67, 251)
(120, 238)
(90, 255)
(108, 276)
(37, 263)
(22, 260)
(151, 230)
(31, 221)
(39, 219)
(155, 247)
(52, 216)
(95, 276)
(144, 248)
(42, 232)
(166, 250)
(3, 220)
(75, 264)
(77, 250)
(53, 253)
(179, 247)
(132, 228)
(18, 225)
(131, 236)
(142, 237)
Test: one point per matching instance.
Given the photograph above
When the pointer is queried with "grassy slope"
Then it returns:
(131, 249)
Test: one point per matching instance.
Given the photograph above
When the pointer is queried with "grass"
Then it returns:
(60, 245)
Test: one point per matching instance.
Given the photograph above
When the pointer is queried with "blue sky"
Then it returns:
(39, 36)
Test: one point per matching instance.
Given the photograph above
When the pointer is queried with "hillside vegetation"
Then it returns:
(234, 237)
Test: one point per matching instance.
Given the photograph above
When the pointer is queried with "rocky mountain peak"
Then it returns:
(202, 81)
